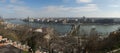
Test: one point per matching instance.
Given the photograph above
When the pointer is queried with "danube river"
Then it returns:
(84, 28)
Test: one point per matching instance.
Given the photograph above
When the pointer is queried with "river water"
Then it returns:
(84, 28)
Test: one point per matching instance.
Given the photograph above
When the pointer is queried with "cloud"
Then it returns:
(16, 2)
(114, 6)
(2, 1)
(13, 9)
(67, 11)
(89, 10)
(17, 11)
(83, 1)
(113, 14)
(13, 1)
(25, 11)
(86, 8)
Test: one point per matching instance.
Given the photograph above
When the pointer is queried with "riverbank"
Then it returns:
(63, 29)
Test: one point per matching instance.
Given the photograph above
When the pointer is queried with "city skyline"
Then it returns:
(59, 8)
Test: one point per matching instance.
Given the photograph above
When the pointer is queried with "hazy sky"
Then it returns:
(61, 8)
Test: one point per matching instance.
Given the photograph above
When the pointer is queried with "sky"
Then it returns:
(59, 8)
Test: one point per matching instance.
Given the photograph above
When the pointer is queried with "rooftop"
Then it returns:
(9, 49)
